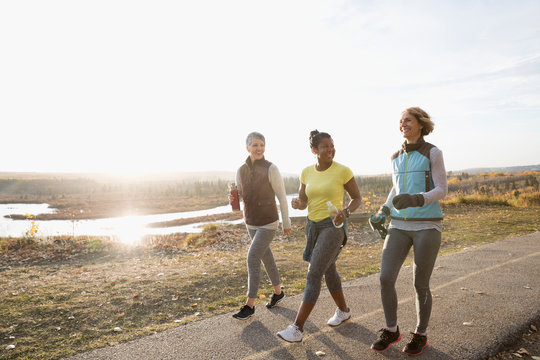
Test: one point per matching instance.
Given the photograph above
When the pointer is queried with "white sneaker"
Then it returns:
(291, 334)
(339, 317)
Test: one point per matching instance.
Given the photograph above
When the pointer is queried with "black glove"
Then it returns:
(403, 201)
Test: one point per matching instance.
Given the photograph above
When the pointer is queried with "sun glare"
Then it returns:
(129, 230)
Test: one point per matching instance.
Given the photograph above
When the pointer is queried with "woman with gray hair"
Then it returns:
(259, 183)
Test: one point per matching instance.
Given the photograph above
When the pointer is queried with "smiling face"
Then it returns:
(325, 151)
(256, 149)
(410, 128)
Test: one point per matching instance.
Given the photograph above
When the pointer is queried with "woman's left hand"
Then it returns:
(403, 201)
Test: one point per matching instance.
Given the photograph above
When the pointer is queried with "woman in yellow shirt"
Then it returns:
(324, 182)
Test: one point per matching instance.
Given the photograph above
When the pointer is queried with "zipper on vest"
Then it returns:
(405, 183)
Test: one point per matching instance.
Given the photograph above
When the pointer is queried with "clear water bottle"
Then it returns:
(332, 211)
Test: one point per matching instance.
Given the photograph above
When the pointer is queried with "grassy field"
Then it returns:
(74, 295)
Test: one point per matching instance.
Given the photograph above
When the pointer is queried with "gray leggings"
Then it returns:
(426, 244)
(260, 251)
(322, 263)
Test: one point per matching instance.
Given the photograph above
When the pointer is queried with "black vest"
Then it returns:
(259, 197)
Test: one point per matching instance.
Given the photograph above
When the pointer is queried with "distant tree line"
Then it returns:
(492, 183)
(380, 185)
(56, 188)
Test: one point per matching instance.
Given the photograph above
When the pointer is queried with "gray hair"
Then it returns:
(254, 135)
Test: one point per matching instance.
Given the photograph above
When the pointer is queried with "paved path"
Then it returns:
(495, 288)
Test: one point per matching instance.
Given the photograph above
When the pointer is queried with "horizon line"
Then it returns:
(192, 173)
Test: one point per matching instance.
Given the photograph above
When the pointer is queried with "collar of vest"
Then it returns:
(412, 147)
(254, 163)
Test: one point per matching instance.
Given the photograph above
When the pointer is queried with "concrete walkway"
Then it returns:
(482, 297)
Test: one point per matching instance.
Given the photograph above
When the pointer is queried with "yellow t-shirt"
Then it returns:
(323, 186)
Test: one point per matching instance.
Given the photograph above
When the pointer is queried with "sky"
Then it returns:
(174, 86)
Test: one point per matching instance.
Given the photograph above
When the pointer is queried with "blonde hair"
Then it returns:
(423, 118)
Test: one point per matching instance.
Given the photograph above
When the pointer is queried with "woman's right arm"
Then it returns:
(391, 195)
(301, 201)
(386, 208)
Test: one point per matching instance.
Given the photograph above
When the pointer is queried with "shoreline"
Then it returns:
(79, 208)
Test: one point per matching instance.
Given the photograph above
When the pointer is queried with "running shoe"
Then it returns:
(291, 334)
(339, 317)
(245, 313)
(386, 339)
(275, 300)
(416, 346)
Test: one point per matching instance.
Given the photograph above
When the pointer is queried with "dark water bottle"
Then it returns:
(234, 198)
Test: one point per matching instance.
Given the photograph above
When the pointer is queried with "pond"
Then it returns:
(126, 228)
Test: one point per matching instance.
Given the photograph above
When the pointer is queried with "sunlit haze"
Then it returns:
(171, 86)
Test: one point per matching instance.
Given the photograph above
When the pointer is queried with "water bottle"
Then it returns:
(376, 221)
(332, 211)
(234, 198)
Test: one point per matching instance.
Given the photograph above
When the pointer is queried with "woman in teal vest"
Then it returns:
(419, 182)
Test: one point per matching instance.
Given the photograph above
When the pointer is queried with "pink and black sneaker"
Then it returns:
(416, 346)
(386, 339)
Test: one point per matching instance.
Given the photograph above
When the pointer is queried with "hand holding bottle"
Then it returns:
(234, 198)
(335, 214)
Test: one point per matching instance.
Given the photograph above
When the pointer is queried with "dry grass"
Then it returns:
(508, 189)
(66, 297)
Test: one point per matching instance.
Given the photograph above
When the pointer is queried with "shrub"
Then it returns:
(476, 200)
(529, 199)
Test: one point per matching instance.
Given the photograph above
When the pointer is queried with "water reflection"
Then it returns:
(126, 228)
